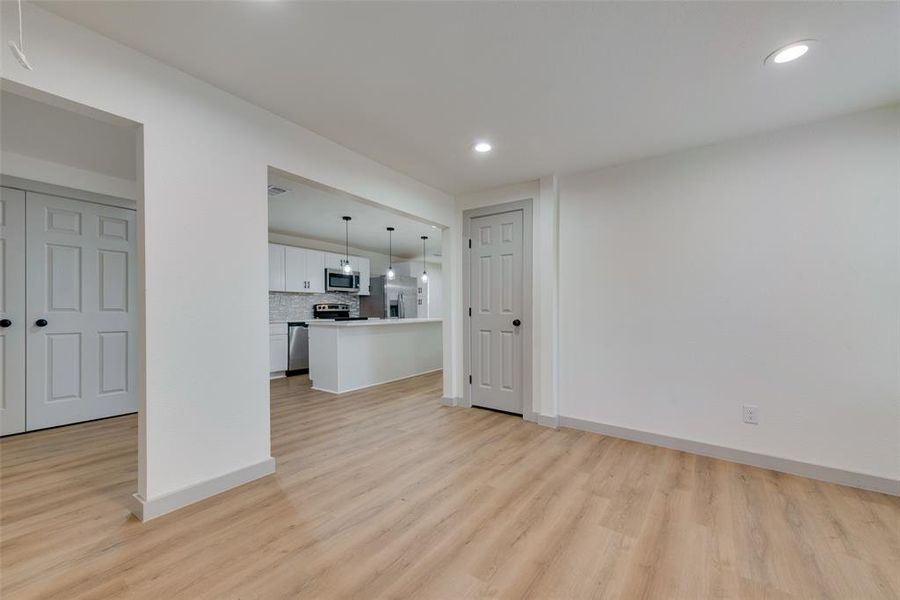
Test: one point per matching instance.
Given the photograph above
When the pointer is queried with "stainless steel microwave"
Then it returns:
(338, 281)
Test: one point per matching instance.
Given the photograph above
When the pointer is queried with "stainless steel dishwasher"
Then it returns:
(298, 348)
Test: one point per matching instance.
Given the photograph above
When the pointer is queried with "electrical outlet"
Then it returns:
(751, 414)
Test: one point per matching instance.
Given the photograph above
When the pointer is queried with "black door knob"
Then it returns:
(516, 322)
(5, 323)
(41, 322)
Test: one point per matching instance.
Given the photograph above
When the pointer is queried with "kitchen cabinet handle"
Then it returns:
(5, 323)
(41, 322)
(516, 322)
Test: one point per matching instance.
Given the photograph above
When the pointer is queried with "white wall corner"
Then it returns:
(452, 301)
(547, 264)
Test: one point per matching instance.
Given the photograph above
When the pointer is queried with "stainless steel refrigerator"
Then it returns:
(390, 298)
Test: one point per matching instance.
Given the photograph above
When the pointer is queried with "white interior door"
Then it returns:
(82, 321)
(12, 311)
(496, 272)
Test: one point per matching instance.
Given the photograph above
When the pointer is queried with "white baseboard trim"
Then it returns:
(864, 481)
(548, 421)
(146, 510)
(450, 401)
(277, 375)
(363, 387)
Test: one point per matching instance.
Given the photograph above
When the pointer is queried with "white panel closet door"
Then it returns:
(82, 321)
(12, 311)
(496, 296)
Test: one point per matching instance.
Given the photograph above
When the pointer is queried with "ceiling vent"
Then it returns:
(274, 190)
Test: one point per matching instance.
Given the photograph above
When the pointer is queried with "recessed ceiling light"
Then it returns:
(435, 227)
(790, 52)
(483, 147)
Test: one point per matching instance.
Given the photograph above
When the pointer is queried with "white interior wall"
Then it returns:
(52, 144)
(413, 268)
(434, 291)
(206, 154)
(761, 271)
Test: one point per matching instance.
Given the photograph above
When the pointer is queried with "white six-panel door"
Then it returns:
(81, 316)
(12, 311)
(496, 296)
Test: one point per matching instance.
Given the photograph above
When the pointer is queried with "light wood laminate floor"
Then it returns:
(385, 493)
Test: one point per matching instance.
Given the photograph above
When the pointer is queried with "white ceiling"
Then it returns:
(556, 87)
(312, 211)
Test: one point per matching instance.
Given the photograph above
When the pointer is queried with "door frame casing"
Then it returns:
(12, 363)
(527, 327)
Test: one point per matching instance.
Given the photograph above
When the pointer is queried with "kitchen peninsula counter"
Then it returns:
(351, 355)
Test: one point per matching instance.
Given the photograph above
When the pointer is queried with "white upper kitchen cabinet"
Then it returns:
(294, 269)
(362, 265)
(276, 267)
(333, 261)
(304, 270)
(295, 279)
(315, 271)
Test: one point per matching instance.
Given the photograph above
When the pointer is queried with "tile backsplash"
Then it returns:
(287, 306)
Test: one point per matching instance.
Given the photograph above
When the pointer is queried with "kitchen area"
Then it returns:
(355, 290)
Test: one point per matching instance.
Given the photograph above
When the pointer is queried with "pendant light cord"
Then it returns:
(21, 33)
(424, 269)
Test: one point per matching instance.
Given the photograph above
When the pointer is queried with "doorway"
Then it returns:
(69, 322)
(69, 267)
(497, 289)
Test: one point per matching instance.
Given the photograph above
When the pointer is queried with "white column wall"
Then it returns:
(205, 412)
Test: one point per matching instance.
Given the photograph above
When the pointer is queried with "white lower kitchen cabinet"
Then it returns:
(278, 349)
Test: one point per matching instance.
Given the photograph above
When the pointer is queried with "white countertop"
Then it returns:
(297, 321)
(370, 322)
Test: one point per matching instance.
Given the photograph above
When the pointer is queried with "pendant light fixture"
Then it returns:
(18, 50)
(347, 268)
(424, 270)
(390, 271)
